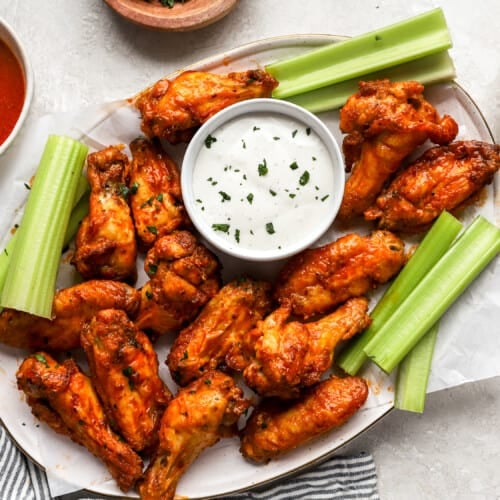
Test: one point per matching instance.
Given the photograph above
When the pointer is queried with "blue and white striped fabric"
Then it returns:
(341, 478)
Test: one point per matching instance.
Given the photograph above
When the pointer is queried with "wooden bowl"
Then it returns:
(191, 15)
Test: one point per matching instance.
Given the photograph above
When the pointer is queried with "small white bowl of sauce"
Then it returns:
(262, 179)
(16, 85)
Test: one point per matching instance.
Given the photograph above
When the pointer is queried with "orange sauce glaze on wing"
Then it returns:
(12, 90)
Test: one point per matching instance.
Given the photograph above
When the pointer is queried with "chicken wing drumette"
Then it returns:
(219, 328)
(385, 122)
(124, 371)
(155, 192)
(287, 356)
(73, 307)
(276, 427)
(174, 109)
(200, 415)
(63, 397)
(105, 243)
(184, 276)
(317, 279)
(443, 178)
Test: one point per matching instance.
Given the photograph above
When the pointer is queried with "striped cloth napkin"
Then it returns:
(338, 478)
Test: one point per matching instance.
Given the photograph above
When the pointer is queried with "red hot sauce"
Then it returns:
(12, 90)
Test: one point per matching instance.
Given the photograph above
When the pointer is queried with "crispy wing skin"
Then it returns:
(73, 307)
(63, 397)
(124, 371)
(174, 109)
(443, 178)
(105, 243)
(184, 276)
(155, 192)
(385, 122)
(204, 344)
(276, 427)
(201, 413)
(317, 279)
(290, 355)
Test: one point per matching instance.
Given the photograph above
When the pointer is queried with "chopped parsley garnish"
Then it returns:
(134, 187)
(250, 198)
(304, 178)
(262, 168)
(292, 195)
(225, 196)
(273, 193)
(149, 294)
(308, 130)
(41, 358)
(325, 197)
(243, 144)
(237, 235)
(209, 140)
(294, 133)
(276, 138)
(159, 197)
(221, 227)
(270, 228)
(294, 165)
(152, 229)
(152, 268)
(256, 128)
(123, 191)
(149, 202)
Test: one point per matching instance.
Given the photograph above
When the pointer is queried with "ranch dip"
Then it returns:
(263, 180)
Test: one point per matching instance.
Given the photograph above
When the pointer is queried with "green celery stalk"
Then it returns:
(404, 41)
(433, 246)
(81, 190)
(79, 212)
(435, 293)
(30, 282)
(428, 70)
(413, 374)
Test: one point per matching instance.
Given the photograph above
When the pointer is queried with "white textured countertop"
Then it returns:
(82, 53)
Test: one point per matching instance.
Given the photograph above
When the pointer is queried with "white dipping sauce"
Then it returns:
(261, 180)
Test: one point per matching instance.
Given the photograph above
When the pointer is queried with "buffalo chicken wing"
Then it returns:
(317, 279)
(200, 415)
(72, 308)
(276, 427)
(443, 178)
(218, 329)
(385, 122)
(290, 355)
(105, 245)
(174, 109)
(124, 371)
(155, 192)
(64, 398)
(184, 276)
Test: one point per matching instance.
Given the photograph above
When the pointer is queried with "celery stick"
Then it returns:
(428, 70)
(435, 293)
(435, 243)
(81, 189)
(79, 212)
(398, 43)
(30, 281)
(413, 374)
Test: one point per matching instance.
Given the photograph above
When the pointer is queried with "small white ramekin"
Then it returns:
(9, 37)
(303, 236)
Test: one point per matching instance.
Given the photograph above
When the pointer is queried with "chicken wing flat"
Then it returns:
(155, 192)
(184, 276)
(199, 415)
(105, 243)
(443, 178)
(124, 371)
(276, 427)
(63, 397)
(73, 307)
(174, 109)
(314, 281)
(386, 122)
(289, 355)
(204, 344)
